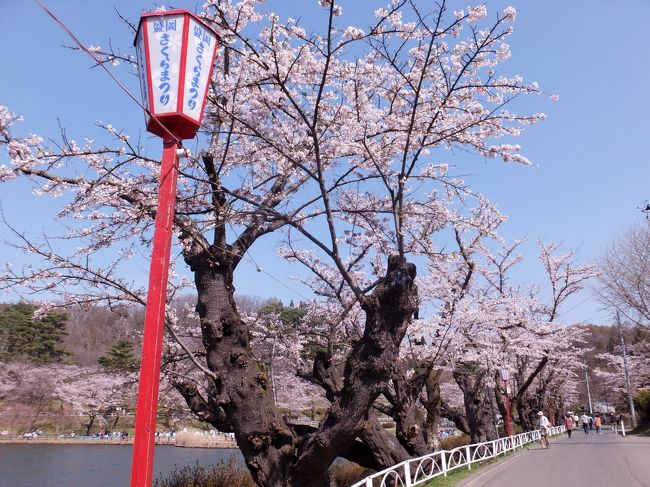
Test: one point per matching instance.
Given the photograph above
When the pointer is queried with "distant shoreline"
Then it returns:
(104, 441)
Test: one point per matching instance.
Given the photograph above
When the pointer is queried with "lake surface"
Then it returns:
(93, 465)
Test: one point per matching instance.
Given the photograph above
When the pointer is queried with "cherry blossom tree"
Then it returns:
(485, 322)
(333, 141)
(92, 393)
(86, 391)
(28, 384)
(437, 341)
(502, 324)
(478, 321)
(552, 347)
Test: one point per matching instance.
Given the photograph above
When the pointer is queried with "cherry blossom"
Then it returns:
(334, 143)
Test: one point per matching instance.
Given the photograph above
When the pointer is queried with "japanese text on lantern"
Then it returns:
(165, 69)
(199, 57)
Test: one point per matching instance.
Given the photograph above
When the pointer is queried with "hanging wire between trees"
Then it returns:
(82, 47)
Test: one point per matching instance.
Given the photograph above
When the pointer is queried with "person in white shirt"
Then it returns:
(584, 419)
(544, 429)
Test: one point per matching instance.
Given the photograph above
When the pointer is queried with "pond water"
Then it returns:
(93, 465)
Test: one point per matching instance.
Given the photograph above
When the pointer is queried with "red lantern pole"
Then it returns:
(145, 427)
(508, 425)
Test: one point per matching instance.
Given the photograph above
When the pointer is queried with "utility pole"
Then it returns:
(627, 374)
(591, 409)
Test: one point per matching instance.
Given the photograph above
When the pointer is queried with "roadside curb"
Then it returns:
(469, 481)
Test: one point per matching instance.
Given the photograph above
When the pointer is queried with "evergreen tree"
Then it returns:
(119, 358)
(288, 315)
(24, 338)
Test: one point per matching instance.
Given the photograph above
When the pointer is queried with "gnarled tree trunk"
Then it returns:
(477, 411)
(277, 454)
(242, 387)
(368, 368)
(415, 427)
(433, 406)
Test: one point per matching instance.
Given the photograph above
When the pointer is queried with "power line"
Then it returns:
(579, 304)
(259, 269)
(99, 62)
(247, 255)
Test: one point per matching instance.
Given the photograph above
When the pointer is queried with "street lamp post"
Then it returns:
(504, 375)
(176, 53)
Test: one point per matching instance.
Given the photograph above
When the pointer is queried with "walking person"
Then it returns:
(584, 419)
(544, 430)
(568, 423)
(598, 423)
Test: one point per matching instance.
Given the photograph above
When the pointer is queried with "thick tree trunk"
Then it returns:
(521, 402)
(242, 386)
(409, 428)
(384, 449)
(528, 408)
(90, 424)
(476, 409)
(433, 407)
(456, 416)
(368, 368)
(410, 420)
(276, 453)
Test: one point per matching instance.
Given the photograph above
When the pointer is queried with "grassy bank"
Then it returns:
(201, 439)
(642, 430)
(457, 476)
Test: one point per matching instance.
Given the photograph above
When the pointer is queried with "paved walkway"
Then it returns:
(591, 460)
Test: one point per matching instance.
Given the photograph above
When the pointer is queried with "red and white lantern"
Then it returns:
(175, 52)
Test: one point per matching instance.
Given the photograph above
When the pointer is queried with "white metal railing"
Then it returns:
(419, 470)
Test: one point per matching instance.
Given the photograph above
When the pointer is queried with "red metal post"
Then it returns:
(508, 425)
(145, 418)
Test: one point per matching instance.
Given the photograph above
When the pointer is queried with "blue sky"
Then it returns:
(591, 170)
